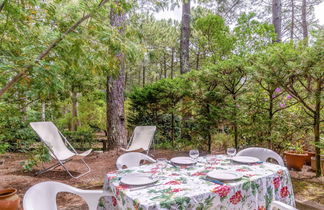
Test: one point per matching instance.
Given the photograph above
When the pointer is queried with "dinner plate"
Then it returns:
(224, 176)
(137, 179)
(245, 159)
(183, 161)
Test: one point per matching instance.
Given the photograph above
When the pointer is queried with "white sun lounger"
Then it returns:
(52, 138)
(141, 139)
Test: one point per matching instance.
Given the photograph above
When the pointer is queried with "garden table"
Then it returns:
(184, 188)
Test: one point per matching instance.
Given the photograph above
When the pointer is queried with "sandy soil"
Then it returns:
(307, 188)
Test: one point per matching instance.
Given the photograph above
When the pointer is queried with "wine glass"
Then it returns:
(231, 152)
(194, 154)
(161, 163)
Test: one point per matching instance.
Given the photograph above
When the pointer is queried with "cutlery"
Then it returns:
(172, 164)
(214, 181)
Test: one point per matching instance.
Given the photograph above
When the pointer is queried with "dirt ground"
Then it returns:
(308, 189)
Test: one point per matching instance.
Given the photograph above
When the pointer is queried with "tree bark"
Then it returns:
(143, 72)
(304, 20)
(74, 121)
(172, 63)
(185, 37)
(292, 20)
(165, 65)
(276, 18)
(317, 126)
(43, 111)
(116, 123)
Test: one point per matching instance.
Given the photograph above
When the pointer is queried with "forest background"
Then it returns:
(230, 73)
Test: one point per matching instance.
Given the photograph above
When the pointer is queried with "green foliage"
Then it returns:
(39, 155)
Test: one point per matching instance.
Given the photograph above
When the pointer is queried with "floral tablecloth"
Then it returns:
(184, 188)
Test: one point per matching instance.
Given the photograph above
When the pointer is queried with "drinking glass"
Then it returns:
(161, 163)
(194, 154)
(231, 152)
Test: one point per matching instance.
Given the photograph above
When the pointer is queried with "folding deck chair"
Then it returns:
(52, 138)
(141, 139)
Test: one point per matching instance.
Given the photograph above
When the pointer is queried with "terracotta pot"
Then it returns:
(308, 159)
(9, 200)
(295, 160)
(313, 163)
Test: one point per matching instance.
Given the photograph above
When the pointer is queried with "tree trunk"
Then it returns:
(276, 18)
(317, 126)
(185, 36)
(116, 125)
(74, 121)
(304, 20)
(197, 60)
(235, 123)
(143, 72)
(292, 20)
(43, 111)
(165, 65)
(172, 62)
(270, 112)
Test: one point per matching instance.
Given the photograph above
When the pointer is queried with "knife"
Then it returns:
(214, 181)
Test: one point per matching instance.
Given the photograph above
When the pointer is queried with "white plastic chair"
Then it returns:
(262, 153)
(277, 205)
(141, 139)
(43, 196)
(52, 138)
(132, 159)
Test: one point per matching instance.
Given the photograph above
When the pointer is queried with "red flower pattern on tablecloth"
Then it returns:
(111, 177)
(121, 187)
(114, 200)
(222, 190)
(174, 174)
(241, 170)
(284, 192)
(199, 174)
(236, 198)
(280, 172)
(261, 208)
(276, 182)
(175, 190)
(249, 175)
(174, 182)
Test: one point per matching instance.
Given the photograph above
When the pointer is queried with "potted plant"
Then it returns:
(9, 200)
(295, 156)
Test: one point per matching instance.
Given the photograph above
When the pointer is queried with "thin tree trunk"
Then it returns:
(317, 126)
(74, 120)
(172, 62)
(270, 115)
(197, 60)
(43, 111)
(292, 20)
(117, 133)
(276, 18)
(235, 123)
(304, 20)
(143, 72)
(185, 36)
(165, 65)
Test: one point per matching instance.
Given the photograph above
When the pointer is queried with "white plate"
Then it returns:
(224, 176)
(183, 160)
(245, 159)
(137, 179)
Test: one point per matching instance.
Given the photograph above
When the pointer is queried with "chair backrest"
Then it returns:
(43, 195)
(277, 205)
(50, 135)
(262, 153)
(142, 137)
(132, 159)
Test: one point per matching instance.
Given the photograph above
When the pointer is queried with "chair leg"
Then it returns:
(51, 167)
(76, 177)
